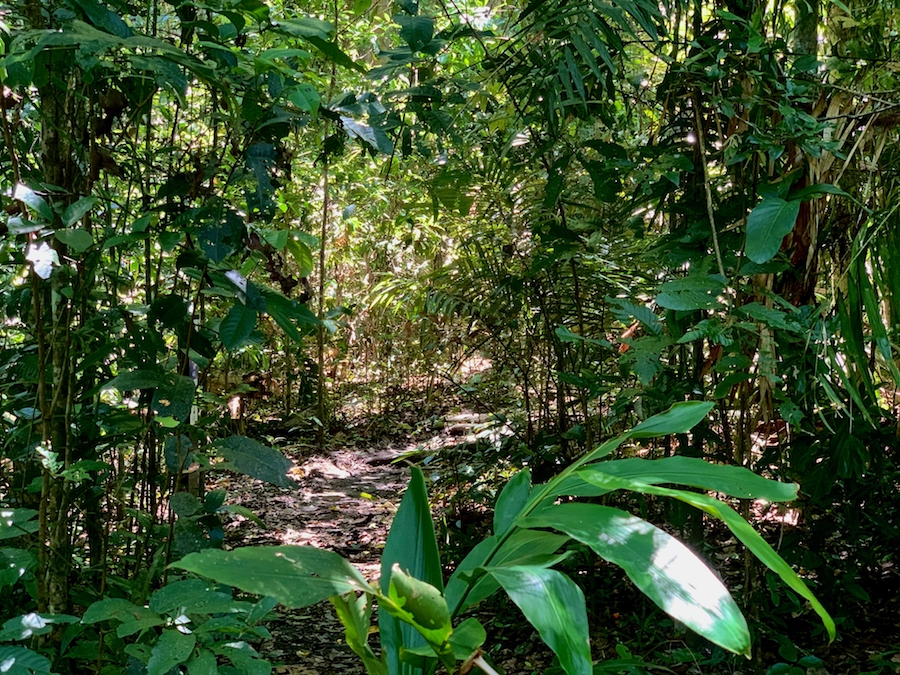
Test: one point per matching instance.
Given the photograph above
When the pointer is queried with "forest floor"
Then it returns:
(345, 500)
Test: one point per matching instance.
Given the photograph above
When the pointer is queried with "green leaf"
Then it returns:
(740, 527)
(204, 663)
(28, 625)
(296, 576)
(411, 543)
(14, 564)
(137, 379)
(16, 522)
(735, 481)
(355, 614)
(511, 501)
(172, 648)
(196, 596)
(767, 225)
(74, 212)
(302, 255)
(523, 547)
(34, 202)
(237, 326)
(305, 97)
(256, 460)
(184, 504)
(334, 53)
(416, 31)
(116, 609)
(22, 661)
(555, 606)
(817, 190)
(691, 293)
(663, 568)
(174, 397)
(679, 419)
(307, 27)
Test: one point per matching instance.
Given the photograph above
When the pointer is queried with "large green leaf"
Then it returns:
(411, 543)
(237, 326)
(691, 293)
(76, 239)
(554, 605)
(666, 570)
(296, 576)
(767, 225)
(34, 202)
(256, 460)
(679, 419)
(172, 648)
(74, 212)
(191, 596)
(735, 481)
(740, 527)
(22, 661)
(116, 609)
(16, 522)
(523, 547)
(416, 31)
(512, 500)
(174, 397)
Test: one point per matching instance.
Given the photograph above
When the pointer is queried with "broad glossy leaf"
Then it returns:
(16, 522)
(512, 500)
(256, 460)
(334, 53)
(296, 576)
(554, 605)
(22, 661)
(28, 625)
(204, 663)
(817, 190)
(237, 326)
(740, 527)
(117, 609)
(302, 255)
(411, 543)
(307, 27)
(74, 212)
(15, 563)
(172, 648)
(34, 202)
(735, 481)
(679, 419)
(305, 97)
(663, 568)
(76, 239)
(691, 293)
(191, 595)
(767, 225)
(416, 31)
(523, 547)
(174, 397)
(137, 379)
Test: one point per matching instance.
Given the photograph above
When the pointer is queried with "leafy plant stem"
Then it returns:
(548, 489)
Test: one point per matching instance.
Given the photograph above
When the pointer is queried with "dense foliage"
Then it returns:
(607, 207)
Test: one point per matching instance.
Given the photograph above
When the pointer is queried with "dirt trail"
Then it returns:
(344, 502)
